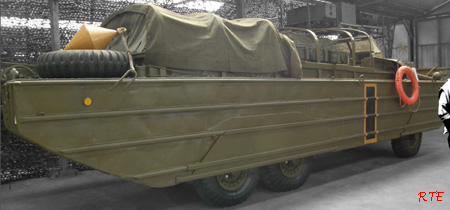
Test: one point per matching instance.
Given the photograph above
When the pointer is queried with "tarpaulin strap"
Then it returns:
(121, 32)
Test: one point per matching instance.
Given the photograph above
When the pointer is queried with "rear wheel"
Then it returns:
(287, 175)
(407, 146)
(227, 189)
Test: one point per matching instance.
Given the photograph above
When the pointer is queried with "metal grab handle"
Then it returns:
(13, 71)
(432, 69)
(126, 74)
(313, 35)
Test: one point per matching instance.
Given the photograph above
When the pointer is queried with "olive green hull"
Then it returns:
(161, 132)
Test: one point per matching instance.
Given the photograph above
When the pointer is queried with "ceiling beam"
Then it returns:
(403, 6)
(436, 8)
(391, 12)
(368, 3)
(408, 28)
(388, 8)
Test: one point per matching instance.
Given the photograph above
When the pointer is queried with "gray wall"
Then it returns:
(428, 43)
(433, 40)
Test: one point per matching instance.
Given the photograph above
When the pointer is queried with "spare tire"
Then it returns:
(82, 64)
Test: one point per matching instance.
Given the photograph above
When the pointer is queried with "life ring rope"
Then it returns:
(410, 109)
(414, 83)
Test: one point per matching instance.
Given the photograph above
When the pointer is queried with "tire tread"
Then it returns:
(400, 147)
(274, 180)
(210, 192)
(82, 64)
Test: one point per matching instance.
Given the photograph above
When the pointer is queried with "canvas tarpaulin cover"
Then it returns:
(204, 41)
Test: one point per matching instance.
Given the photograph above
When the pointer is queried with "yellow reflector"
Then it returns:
(87, 101)
(91, 37)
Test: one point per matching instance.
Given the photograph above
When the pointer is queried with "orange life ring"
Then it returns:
(399, 86)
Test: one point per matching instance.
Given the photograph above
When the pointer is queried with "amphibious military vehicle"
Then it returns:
(218, 102)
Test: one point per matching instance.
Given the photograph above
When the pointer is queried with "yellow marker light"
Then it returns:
(87, 101)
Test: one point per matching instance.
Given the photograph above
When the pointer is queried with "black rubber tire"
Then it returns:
(82, 64)
(213, 194)
(407, 146)
(275, 180)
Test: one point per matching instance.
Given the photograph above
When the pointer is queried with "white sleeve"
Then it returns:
(443, 102)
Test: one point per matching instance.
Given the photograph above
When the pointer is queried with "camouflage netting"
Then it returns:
(16, 161)
(25, 35)
(29, 37)
(23, 42)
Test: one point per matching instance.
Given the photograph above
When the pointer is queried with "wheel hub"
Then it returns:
(232, 181)
(292, 168)
(412, 141)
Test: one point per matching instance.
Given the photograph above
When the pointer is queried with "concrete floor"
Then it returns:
(368, 177)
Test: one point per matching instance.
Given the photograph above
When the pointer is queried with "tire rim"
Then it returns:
(292, 168)
(411, 142)
(232, 181)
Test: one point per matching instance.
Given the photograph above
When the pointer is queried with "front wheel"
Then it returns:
(227, 189)
(407, 146)
(287, 175)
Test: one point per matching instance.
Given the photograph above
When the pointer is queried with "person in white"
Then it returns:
(444, 107)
